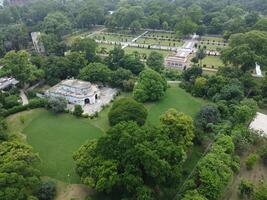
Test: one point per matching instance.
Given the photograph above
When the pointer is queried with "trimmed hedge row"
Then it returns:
(34, 103)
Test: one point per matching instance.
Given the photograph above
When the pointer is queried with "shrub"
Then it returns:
(78, 111)
(251, 161)
(57, 105)
(263, 154)
(46, 191)
(246, 188)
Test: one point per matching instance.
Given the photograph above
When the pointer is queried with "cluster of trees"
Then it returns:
(134, 161)
(251, 191)
(187, 17)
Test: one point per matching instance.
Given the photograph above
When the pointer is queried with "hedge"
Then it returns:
(34, 103)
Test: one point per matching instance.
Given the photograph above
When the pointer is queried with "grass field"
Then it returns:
(214, 61)
(130, 50)
(175, 98)
(153, 41)
(55, 138)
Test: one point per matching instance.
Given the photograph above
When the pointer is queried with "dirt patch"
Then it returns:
(73, 191)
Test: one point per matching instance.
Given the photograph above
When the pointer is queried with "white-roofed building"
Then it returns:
(75, 92)
(7, 82)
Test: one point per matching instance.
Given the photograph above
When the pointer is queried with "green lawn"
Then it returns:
(175, 98)
(152, 41)
(210, 61)
(129, 50)
(55, 138)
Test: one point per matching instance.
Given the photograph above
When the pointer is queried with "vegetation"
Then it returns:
(127, 109)
(150, 86)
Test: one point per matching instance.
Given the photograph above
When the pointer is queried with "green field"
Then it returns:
(130, 50)
(175, 98)
(210, 61)
(152, 41)
(55, 138)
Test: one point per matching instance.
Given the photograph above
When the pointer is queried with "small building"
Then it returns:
(7, 82)
(38, 45)
(75, 92)
(180, 59)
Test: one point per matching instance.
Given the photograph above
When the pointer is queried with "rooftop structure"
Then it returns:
(180, 59)
(75, 91)
(7, 82)
(38, 46)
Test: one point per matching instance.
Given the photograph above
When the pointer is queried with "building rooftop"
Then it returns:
(74, 88)
(5, 82)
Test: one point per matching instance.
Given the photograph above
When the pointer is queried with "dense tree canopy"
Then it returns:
(127, 109)
(150, 86)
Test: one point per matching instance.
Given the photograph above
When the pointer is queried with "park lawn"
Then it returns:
(129, 50)
(212, 62)
(112, 38)
(107, 47)
(211, 39)
(55, 138)
(152, 41)
(177, 98)
(161, 35)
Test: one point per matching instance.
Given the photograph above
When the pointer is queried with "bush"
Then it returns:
(78, 111)
(127, 109)
(57, 105)
(251, 161)
(46, 191)
(246, 188)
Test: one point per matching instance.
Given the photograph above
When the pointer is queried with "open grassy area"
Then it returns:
(175, 98)
(55, 138)
(212, 62)
(113, 38)
(153, 41)
(212, 39)
(130, 50)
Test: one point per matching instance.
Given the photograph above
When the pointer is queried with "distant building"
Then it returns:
(38, 45)
(75, 92)
(180, 60)
(7, 82)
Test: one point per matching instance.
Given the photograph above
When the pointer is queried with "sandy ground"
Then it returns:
(74, 191)
(260, 123)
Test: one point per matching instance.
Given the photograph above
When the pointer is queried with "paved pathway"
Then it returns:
(24, 98)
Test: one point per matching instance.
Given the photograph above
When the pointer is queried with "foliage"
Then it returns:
(208, 115)
(155, 61)
(134, 160)
(46, 190)
(87, 45)
(178, 127)
(19, 66)
(127, 109)
(150, 86)
(251, 161)
(57, 104)
(246, 188)
(19, 176)
(263, 154)
(78, 111)
(193, 195)
(133, 63)
(95, 72)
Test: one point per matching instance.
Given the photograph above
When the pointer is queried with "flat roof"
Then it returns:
(260, 123)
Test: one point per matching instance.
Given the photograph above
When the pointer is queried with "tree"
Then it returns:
(133, 63)
(185, 26)
(95, 72)
(261, 25)
(200, 87)
(114, 58)
(119, 76)
(18, 173)
(53, 45)
(208, 114)
(57, 104)
(245, 49)
(263, 154)
(56, 23)
(46, 190)
(260, 192)
(251, 161)
(137, 161)
(76, 61)
(150, 86)
(135, 26)
(155, 61)
(78, 111)
(19, 66)
(178, 127)
(87, 45)
(127, 109)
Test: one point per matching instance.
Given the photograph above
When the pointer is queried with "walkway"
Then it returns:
(24, 98)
